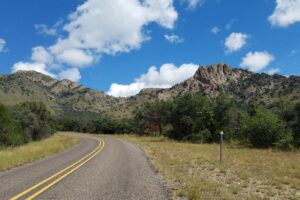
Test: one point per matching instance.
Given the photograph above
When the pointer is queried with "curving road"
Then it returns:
(93, 169)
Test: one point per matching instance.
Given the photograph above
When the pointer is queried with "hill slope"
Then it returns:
(66, 96)
(211, 80)
(60, 96)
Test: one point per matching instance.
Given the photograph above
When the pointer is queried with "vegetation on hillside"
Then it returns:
(23, 123)
(192, 118)
(88, 122)
(200, 119)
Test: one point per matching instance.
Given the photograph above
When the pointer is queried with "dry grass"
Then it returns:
(12, 157)
(193, 170)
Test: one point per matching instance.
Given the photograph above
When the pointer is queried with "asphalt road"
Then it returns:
(93, 169)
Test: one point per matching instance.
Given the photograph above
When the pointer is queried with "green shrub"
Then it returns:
(10, 134)
(34, 120)
(264, 129)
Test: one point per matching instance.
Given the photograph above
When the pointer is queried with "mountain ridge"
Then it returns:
(64, 96)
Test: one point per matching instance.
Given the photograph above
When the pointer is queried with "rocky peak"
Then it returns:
(219, 74)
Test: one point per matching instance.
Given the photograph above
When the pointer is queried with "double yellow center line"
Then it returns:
(54, 179)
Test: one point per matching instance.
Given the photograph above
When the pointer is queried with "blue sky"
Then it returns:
(113, 45)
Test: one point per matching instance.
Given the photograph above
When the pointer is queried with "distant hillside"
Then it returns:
(66, 96)
(211, 80)
(60, 96)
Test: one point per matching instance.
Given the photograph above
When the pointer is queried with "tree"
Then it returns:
(10, 134)
(151, 118)
(34, 119)
(222, 115)
(264, 129)
(290, 113)
(182, 116)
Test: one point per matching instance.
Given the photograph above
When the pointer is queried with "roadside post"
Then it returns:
(221, 143)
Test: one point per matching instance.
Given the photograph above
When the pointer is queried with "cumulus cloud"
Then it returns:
(165, 77)
(75, 57)
(273, 71)
(235, 41)
(71, 74)
(32, 66)
(287, 12)
(41, 55)
(173, 38)
(119, 90)
(192, 4)
(104, 27)
(215, 30)
(2, 45)
(110, 27)
(256, 61)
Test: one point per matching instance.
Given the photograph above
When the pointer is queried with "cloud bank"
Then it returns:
(99, 27)
(165, 77)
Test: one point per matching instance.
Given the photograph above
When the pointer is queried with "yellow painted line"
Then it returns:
(55, 175)
(65, 175)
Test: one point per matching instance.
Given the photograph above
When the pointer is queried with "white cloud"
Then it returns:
(167, 76)
(256, 61)
(273, 71)
(119, 90)
(215, 30)
(110, 27)
(287, 12)
(32, 66)
(235, 41)
(41, 55)
(100, 27)
(75, 57)
(71, 74)
(2, 45)
(173, 38)
(44, 29)
(192, 4)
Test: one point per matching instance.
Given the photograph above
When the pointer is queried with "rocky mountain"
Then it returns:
(66, 96)
(214, 79)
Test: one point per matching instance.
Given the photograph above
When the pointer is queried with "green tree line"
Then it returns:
(89, 122)
(200, 119)
(192, 118)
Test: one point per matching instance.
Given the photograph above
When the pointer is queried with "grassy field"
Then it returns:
(193, 170)
(12, 157)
